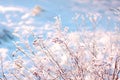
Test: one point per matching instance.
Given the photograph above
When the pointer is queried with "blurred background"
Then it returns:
(21, 14)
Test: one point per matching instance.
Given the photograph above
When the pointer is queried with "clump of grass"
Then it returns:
(64, 55)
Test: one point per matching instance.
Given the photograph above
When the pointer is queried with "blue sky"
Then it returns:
(16, 14)
(66, 9)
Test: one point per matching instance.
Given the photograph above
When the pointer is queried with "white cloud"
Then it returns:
(94, 5)
(25, 16)
(4, 9)
(29, 21)
(82, 1)
(8, 24)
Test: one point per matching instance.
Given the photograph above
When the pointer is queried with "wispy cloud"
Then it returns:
(14, 18)
(25, 16)
(95, 5)
(4, 9)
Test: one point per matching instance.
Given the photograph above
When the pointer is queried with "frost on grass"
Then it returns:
(63, 55)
